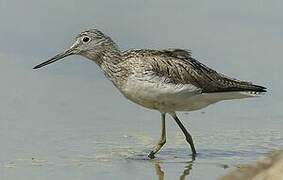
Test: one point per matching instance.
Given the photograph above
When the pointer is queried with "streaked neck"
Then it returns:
(111, 66)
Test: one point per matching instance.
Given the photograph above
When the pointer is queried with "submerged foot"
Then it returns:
(194, 156)
(151, 155)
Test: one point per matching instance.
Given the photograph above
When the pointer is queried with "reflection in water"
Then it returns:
(160, 173)
(186, 171)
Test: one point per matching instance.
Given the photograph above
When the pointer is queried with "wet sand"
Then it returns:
(270, 167)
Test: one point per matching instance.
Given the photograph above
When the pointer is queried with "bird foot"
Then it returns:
(151, 155)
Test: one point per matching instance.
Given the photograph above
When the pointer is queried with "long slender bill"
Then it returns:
(55, 58)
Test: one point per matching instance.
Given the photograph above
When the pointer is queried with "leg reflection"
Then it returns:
(186, 171)
(160, 173)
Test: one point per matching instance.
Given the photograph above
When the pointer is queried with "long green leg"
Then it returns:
(162, 139)
(189, 138)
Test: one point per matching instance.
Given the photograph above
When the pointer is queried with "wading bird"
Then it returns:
(167, 80)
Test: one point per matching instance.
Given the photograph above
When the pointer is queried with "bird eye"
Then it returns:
(86, 39)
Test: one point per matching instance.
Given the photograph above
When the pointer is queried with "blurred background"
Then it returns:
(67, 121)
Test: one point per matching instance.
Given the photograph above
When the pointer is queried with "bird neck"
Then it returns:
(111, 66)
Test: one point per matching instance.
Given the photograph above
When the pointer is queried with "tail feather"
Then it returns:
(250, 88)
(241, 86)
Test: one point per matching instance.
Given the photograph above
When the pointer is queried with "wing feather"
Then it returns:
(177, 66)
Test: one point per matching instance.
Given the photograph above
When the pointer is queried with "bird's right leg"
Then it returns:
(162, 139)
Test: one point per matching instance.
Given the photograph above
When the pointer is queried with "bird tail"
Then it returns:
(255, 89)
(250, 90)
(226, 84)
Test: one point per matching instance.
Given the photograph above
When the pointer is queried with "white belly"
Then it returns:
(155, 94)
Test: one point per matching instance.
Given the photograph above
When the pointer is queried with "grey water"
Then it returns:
(67, 121)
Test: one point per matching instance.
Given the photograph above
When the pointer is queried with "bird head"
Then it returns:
(92, 44)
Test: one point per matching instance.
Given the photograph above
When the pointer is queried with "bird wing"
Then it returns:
(177, 66)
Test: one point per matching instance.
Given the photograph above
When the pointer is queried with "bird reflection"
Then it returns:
(186, 171)
(160, 173)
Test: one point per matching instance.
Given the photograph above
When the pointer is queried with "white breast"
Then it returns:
(154, 93)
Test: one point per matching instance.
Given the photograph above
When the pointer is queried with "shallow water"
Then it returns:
(66, 121)
(61, 126)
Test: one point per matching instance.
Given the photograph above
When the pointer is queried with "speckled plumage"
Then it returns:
(177, 66)
(153, 71)
(167, 80)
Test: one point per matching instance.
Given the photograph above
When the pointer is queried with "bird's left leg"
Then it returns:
(162, 139)
(186, 133)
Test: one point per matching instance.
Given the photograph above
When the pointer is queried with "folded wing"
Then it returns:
(178, 67)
